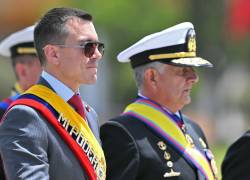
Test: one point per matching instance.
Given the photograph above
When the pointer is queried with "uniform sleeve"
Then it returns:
(121, 152)
(236, 164)
(23, 145)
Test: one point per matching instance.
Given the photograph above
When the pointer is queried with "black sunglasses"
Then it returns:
(88, 48)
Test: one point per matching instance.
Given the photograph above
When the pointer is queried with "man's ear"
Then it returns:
(151, 77)
(52, 54)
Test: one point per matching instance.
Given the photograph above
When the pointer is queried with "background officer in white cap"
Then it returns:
(151, 139)
(19, 46)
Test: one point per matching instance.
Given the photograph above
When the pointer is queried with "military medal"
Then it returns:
(203, 144)
(214, 166)
(167, 155)
(162, 145)
(210, 157)
(170, 164)
(189, 140)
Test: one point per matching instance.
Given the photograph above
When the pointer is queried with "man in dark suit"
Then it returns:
(19, 47)
(236, 161)
(49, 132)
(151, 139)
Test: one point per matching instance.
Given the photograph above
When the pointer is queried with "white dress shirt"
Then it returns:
(61, 89)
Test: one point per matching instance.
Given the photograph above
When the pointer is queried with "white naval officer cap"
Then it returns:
(175, 45)
(19, 43)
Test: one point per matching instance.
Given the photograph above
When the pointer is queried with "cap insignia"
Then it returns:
(191, 42)
(26, 50)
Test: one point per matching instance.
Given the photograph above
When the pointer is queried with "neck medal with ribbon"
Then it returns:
(71, 127)
(156, 118)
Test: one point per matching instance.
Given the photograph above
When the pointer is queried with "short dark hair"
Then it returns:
(51, 28)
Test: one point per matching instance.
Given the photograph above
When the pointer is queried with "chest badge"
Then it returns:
(167, 156)
(172, 173)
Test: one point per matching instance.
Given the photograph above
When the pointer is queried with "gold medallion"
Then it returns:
(189, 140)
(162, 145)
(167, 155)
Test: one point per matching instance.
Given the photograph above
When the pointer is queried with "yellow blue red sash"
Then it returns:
(154, 117)
(72, 128)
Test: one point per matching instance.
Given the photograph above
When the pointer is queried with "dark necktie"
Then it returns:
(76, 102)
(178, 120)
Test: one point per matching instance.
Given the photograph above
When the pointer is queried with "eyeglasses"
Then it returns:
(88, 48)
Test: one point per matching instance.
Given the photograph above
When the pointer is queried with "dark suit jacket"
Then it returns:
(132, 152)
(31, 148)
(236, 164)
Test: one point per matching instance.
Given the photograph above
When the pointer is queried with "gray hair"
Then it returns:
(140, 70)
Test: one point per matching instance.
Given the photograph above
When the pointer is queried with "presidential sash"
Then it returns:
(71, 127)
(154, 117)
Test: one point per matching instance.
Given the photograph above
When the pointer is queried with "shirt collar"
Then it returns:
(61, 89)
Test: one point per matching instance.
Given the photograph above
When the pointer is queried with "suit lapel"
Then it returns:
(92, 121)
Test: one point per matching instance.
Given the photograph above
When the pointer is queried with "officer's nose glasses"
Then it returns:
(88, 48)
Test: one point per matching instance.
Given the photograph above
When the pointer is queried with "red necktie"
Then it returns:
(77, 104)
